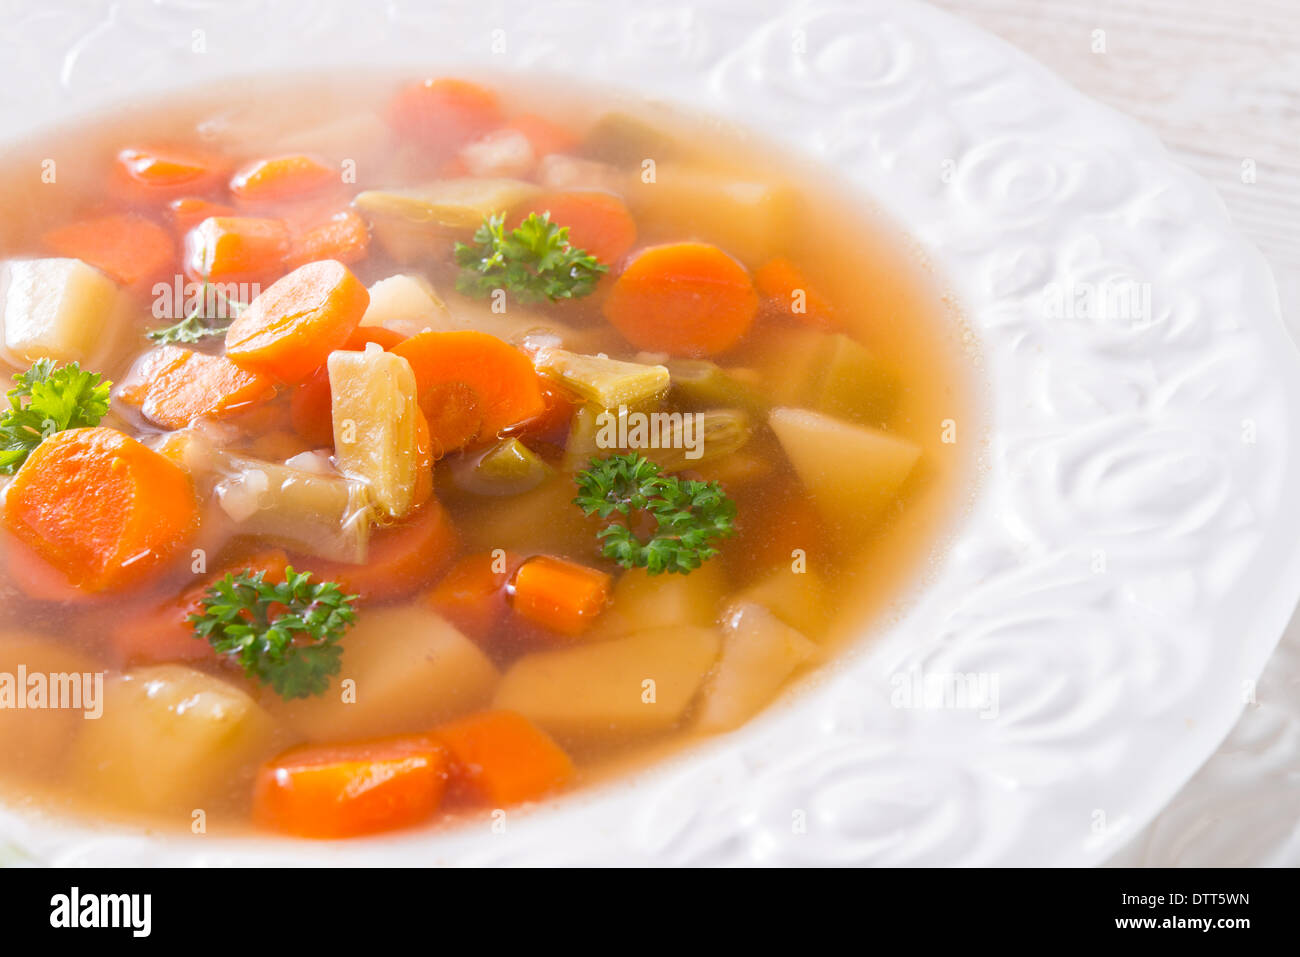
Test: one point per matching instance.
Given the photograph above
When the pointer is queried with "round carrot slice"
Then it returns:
(291, 328)
(686, 299)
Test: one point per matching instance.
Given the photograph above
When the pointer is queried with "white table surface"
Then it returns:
(1219, 82)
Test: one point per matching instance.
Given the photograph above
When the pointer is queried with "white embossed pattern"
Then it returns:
(1129, 561)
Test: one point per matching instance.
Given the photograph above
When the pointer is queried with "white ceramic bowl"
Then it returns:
(1129, 563)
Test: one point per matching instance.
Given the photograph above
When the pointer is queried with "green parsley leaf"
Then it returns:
(285, 635)
(197, 324)
(47, 399)
(534, 261)
(689, 515)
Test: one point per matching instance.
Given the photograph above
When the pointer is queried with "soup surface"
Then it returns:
(384, 452)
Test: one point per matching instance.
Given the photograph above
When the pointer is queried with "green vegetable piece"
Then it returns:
(456, 204)
(508, 468)
(47, 399)
(623, 140)
(285, 635)
(830, 373)
(534, 262)
(689, 516)
(198, 323)
(699, 383)
(715, 434)
(607, 382)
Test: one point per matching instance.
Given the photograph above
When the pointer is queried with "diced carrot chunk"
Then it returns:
(173, 386)
(402, 559)
(501, 758)
(472, 596)
(786, 293)
(237, 249)
(343, 236)
(152, 174)
(281, 177)
(188, 211)
(131, 249)
(560, 595)
(597, 222)
(444, 114)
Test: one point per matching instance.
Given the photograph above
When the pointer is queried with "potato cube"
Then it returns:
(641, 600)
(60, 309)
(406, 304)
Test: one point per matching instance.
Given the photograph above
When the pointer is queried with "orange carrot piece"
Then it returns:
(131, 249)
(278, 178)
(102, 508)
(291, 328)
(165, 633)
(472, 596)
(148, 174)
(444, 114)
(311, 405)
(786, 293)
(188, 211)
(686, 299)
(343, 236)
(501, 758)
(173, 386)
(501, 377)
(237, 249)
(560, 595)
(454, 415)
(598, 222)
(544, 136)
(401, 560)
(39, 580)
(346, 790)
(559, 405)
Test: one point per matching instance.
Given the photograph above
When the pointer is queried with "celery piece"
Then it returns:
(375, 414)
(326, 516)
(690, 439)
(507, 468)
(606, 382)
(624, 140)
(700, 383)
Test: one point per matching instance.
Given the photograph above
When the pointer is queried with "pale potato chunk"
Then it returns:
(375, 416)
(60, 309)
(641, 683)
(409, 668)
(34, 742)
(759, 652)
(798, 598)
(170, 739)
(641, 600)
(852, 472)
(353, 136)
(406, 304)
(746, 219)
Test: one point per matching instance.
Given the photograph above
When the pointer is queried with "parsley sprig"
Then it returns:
(197, 324)
(689, 515)
(284, 634)
(535, 261)
(47, 399)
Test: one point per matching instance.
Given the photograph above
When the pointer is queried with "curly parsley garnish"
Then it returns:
(47, 399)
(197, 324)
(285, 635)
(689, 515)
(534, 261)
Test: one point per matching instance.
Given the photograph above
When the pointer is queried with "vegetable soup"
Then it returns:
(379, 454)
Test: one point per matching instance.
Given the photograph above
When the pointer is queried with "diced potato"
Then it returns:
(405, 304)
(830, 373)
(323, 515)
(852, 472)
(170, 739)
(34, 742)
(759, 652)
(375, 414)
(507, 468)
(641, 683)
(798, 598)
(747, 220)
(607, 382)
(405, 221)
(641, 600)
(542, 521)
(60, 309)
(409, 669)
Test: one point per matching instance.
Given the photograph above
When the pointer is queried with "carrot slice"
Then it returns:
(560, 595)
(291, 328)
(311, 405)
(346, 790)
(237, 249)
(188, 211)
(131, 249)
(502, 379)
(278, 178)
(146, 174)
(165, 633)
(401, 560)
(453, 413)
(99, 506)
(786, 293)
(472, 596)
(598, 222)
(686, 299)
(544, 136)
(444, 114)
(173, 386)
(343, 236)
(501, 758)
